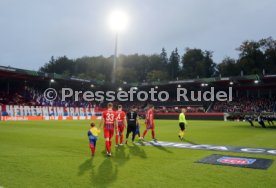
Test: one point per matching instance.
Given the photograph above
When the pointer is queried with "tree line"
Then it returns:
(255, 57)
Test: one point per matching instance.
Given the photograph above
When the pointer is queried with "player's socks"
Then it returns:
(182, 135)
(117, 139)
(107, 145)
(121, 139)
(144, 134)
(110, 143)
(153, 134)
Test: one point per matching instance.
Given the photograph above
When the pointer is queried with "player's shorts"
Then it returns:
(108, 131)
(120, 123)
(150, 126)
(131, 128)
(182, 126)
(109, 126)
(121, 129)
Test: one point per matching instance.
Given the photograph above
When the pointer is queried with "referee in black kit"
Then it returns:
(132, 121)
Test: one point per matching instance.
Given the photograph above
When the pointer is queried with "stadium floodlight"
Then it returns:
(120, 89)
(92, 85)
(256, 81)
(52, 80)
(202, 84)
(156, 87)
(231, 83)
(179, 85)
(118, 21)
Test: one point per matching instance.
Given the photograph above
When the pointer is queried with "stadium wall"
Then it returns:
(191, 116)
(16, 112)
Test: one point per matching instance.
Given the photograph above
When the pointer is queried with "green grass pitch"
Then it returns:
(56, 154)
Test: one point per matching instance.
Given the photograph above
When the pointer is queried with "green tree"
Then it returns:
(60, 65)
(163, 56)
(251, 58)
(228, 67)
(197, 63)
(173, 66)
(268, 47)
(157, 75)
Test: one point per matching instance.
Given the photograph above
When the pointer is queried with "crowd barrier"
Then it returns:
(30, 118)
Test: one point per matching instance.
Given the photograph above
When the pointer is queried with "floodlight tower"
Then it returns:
(118, 22)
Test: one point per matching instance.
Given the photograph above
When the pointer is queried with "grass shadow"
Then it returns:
(85, 166)
(137, 151)
(189, 141)
(162, 148)
(105, 175)
(120, 156)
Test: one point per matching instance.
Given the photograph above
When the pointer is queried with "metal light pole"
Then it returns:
(115, 59)
(118, 20)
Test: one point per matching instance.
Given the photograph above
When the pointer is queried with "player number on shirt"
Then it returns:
(109, 117)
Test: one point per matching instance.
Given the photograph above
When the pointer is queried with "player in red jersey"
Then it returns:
(121, 122)
(149, 121)
(110, 122)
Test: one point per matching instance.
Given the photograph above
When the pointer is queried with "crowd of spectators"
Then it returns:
(29, 96)
(246, 105)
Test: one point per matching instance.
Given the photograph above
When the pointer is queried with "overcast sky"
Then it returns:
(31, 31)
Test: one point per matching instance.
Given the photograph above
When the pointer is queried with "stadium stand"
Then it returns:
(20, 87)
(244, 104)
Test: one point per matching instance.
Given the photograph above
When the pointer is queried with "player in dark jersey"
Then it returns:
(137, 131)
(132, 120)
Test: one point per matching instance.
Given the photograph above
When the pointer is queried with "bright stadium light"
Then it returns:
(118, 22)
(52, 80)
(120, 89)
(231, 83)
(256, 81)
(179, 85)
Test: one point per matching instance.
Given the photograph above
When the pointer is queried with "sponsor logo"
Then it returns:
(236, 161)
(238, 149)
